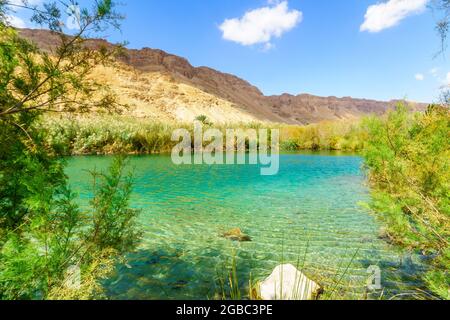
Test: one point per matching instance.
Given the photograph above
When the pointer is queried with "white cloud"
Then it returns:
(444, 81)
(447, 80)
(259, 26)
(388, 14)
(15, 6)
(434, 72)
(419, 77)
(268, 46)
(15, 21)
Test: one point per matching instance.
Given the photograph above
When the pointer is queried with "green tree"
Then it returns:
(43, 233)
(408, 157)
(203, 119)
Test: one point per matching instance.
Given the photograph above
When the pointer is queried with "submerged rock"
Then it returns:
(236, 235)
(180, 284)
(288, 283)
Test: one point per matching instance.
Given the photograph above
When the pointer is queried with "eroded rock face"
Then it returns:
(246, 98)
(288, 283)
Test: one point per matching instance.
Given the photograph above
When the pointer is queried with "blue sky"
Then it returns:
(361, 48)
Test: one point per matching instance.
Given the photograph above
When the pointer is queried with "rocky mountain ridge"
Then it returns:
(184, 87)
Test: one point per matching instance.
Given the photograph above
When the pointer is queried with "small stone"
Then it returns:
(288, 283)
(236, 234)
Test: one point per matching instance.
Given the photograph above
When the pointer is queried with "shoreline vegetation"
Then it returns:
(407, 157)
(114, 134)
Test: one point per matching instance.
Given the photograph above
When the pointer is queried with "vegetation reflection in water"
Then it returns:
(312, 208)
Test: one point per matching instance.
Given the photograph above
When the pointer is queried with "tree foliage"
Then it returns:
(56, 78)
(442, 9)
(409, 161)
(43, 232)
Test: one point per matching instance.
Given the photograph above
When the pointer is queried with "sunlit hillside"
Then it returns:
(158, 96)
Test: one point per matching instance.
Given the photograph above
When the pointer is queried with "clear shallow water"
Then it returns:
(311, 211)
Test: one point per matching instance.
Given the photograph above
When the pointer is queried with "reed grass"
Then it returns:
(113, 134)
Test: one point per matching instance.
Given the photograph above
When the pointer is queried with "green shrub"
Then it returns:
(408, 160)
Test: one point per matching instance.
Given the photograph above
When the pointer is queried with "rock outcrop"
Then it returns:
(288, 283)
(247, 101)
(236, 235)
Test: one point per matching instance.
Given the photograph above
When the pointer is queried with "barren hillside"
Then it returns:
(164, 86)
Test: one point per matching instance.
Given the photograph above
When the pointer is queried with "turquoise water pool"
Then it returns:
(310, 212)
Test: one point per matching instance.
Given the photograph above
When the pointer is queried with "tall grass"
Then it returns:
(228, 280)
(107, 135)
(112, 134)
(337, 135)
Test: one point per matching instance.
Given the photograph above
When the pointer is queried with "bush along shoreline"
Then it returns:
(407, 157)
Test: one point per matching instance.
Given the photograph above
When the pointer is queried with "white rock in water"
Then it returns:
(287, 283)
